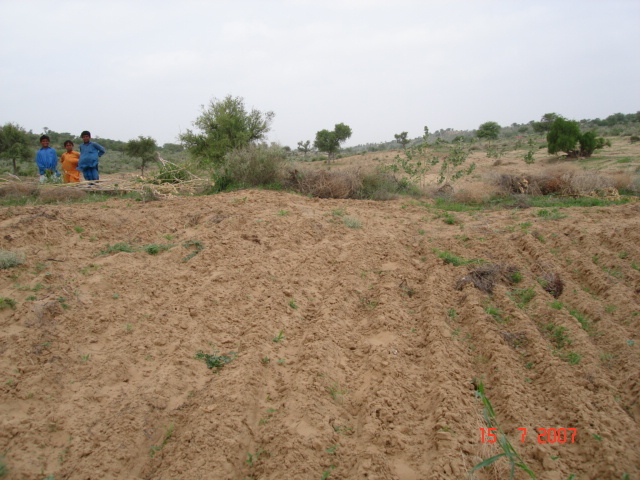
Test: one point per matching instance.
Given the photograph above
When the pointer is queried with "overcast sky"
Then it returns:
(127, 68)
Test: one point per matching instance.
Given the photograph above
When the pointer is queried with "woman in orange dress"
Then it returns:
(69, 162)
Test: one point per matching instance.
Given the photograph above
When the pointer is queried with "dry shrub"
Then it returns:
(475, 193)
(552, 284)
(18, 189)
(585, 183)
(327, 183)
(622, 180)
(557, 181)
(516, 339)
(485, 277)
(254, 165)
(61, 194)
(445, 191)
(380, 185)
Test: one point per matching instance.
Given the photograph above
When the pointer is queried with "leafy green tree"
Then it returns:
(544, 125)
(402, 139)
(425, 136)
(329, 142)
(563, 136)
(488, 130)
(223, 126)
(143, 148)
(589, 143)
(14, 144)
(304, 146)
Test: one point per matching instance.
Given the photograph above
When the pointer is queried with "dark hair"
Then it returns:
(67, 141)
(86, 132)
(45, 137)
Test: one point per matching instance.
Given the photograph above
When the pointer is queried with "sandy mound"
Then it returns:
(343, 351)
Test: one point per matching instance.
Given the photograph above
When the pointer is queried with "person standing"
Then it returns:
(47, 160)
(90, 152)
(69, 161)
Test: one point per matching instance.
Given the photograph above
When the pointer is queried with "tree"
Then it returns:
(172, 148)
(143, 148)
(563, 136)
(223, 126)
(14, 144)
(304, 146)
(329, 142)
(589, 143)
(544, 125)
(401, 138)
(488, 130)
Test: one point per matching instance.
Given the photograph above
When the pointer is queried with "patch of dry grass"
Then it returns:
(566, 180)
(327, 183)
(475, 193)
(18, 189)
(61, 194)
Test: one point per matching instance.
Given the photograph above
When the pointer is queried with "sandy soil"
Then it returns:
(371, 376)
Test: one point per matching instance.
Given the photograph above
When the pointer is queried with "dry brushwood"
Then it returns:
(552, 284)
(485, 277)
(327, 183)
(516, 339)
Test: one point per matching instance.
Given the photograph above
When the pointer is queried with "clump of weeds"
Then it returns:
(117, 248)
(156, 248)
(522, 296)
(454, 260)
(558, 335)
(6, 302)
(335, 392)
(279, 337)
(214, 361)
(192, 244)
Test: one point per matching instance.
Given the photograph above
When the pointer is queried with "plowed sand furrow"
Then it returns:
(378, 353)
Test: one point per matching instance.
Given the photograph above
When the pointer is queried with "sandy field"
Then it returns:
(343, 344)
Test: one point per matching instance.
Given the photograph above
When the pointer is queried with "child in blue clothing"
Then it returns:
(90, 152)
(47, 160)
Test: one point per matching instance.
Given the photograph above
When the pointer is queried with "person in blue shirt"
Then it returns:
(47, 160)
(90, 152)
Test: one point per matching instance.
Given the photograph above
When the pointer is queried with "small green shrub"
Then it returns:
(155, 248)
(215, 361)
(10, 259)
